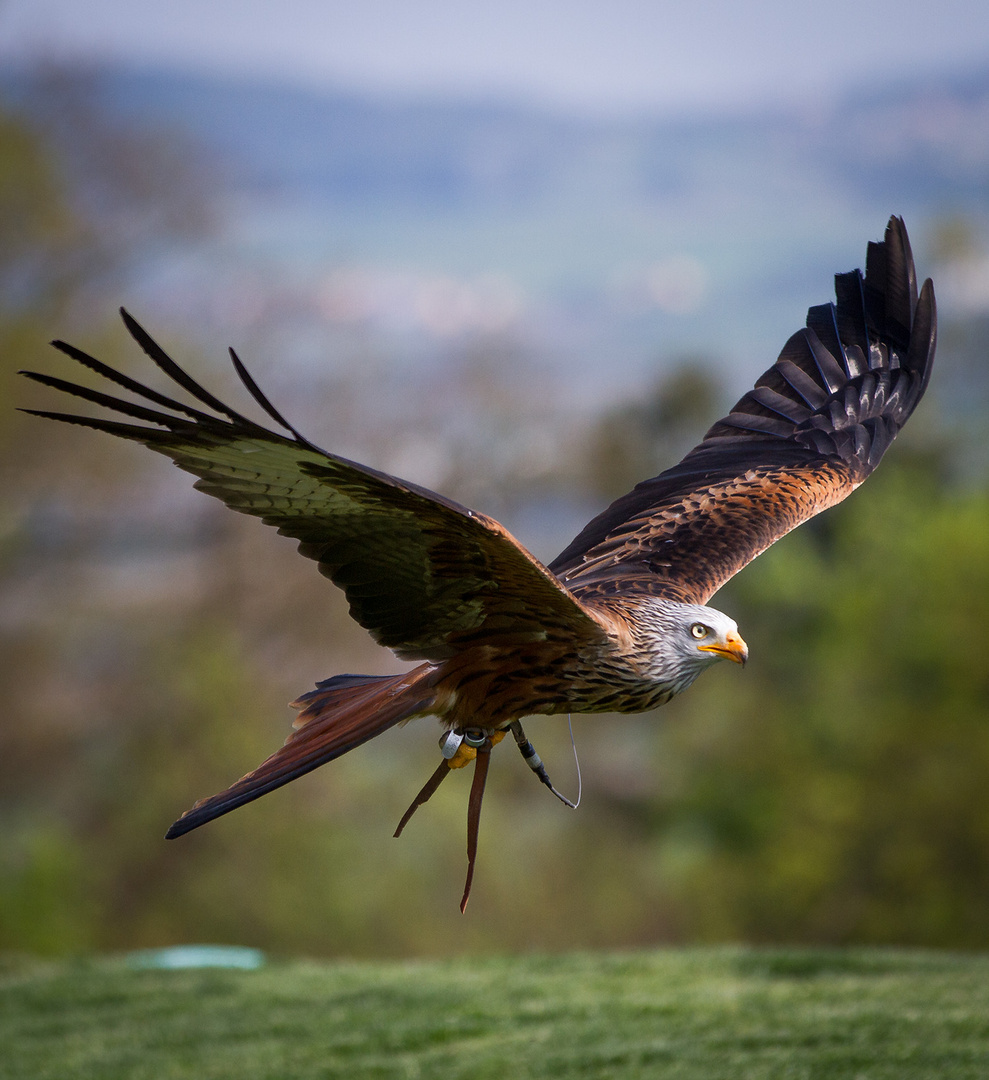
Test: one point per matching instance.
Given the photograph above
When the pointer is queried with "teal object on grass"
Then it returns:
(198, 956)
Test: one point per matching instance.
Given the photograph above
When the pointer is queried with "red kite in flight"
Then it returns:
(619, 621)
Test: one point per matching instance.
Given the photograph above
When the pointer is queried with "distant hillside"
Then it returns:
(601, 243)
(927, 136)
(922, 138)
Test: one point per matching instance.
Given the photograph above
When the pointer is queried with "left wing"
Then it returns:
(812, 429)
(425, 575)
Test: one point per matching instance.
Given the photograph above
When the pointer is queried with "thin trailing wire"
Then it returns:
(576, 760)
(534, 761)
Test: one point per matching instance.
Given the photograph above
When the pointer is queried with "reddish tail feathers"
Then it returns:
(338, 715)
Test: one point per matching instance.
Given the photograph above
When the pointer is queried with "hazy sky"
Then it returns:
(592, 54)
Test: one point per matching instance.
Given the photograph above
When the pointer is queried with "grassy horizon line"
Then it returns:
(686, 1013)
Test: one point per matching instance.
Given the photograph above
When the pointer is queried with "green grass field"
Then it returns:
(699, 1013)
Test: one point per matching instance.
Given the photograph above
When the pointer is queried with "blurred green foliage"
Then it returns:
(642, 437)
(833, 792)
(844, 799)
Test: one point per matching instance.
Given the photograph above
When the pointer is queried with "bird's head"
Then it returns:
(715, 636)
(684, 639)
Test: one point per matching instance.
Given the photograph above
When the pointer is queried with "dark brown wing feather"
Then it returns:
(426, 576)
(810, 431)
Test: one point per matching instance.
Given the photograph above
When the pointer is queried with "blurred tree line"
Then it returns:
(834, 792)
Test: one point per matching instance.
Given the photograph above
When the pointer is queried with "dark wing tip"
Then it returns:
(857, 371)
(158, 355)
(825, 412)
(923, 340)
(261, 398)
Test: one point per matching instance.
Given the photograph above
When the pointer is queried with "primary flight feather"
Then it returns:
(619, 620)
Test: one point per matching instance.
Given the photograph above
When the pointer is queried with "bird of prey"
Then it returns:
(619, 621)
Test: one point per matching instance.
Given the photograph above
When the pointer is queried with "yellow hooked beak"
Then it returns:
(733, 649)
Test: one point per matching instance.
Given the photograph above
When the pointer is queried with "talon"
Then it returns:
(473, 741)
(475, 745)
(463, 756)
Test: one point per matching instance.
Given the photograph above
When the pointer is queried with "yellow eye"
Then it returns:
(699, 630)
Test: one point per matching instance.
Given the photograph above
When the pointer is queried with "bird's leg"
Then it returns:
(533, 760)
(459, 747)
(481, 763)
(424, 795)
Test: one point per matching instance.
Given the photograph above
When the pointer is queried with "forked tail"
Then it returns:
(338, 715)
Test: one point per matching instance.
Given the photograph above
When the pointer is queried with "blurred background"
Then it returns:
(524, 255)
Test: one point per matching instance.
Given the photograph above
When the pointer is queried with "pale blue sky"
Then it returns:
(588, 54)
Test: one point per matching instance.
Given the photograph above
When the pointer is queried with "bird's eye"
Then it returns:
(699, 630)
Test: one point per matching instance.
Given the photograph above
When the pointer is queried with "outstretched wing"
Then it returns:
(426, 576)
(812, 429)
